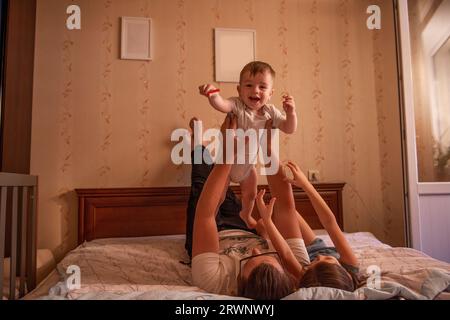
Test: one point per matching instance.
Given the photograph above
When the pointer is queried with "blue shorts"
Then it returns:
(318, 247)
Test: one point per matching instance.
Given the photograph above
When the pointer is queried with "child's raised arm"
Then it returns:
(280, 244)
(290, 124)
(325, 215)
(215, 99)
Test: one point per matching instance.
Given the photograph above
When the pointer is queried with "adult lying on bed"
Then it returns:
(227, 257)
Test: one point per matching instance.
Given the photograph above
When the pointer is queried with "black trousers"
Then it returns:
(228, 215)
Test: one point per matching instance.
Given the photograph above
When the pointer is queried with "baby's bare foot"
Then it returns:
(248, 219)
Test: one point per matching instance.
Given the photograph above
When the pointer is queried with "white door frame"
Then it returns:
(415, 189)
(410, 127)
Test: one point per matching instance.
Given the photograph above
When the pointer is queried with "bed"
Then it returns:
(131, 246)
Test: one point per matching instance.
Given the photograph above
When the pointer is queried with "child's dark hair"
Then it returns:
(324, 274)
(256, 67)
(266, 282)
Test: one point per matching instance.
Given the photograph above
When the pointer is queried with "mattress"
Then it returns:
(158, 268)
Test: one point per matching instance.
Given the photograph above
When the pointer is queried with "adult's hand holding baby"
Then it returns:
(229, 125)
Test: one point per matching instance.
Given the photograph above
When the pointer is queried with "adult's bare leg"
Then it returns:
(284, 213)
(307, 233)
(285, 216)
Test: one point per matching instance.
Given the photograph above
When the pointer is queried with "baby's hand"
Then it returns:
(288, 104)
(207, 90)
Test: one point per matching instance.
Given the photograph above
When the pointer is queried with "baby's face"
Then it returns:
(256, 90)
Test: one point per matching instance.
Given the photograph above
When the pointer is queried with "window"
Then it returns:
(430, 47)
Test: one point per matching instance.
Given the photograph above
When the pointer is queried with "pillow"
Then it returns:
(324, 293)
(429, 284)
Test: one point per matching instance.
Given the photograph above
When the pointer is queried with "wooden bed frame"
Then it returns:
(139, 212)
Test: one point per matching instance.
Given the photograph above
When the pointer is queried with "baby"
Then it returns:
(252, 110)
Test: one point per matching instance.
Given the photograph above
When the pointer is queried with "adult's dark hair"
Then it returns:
(325, 274)
(256, 67)
(266, 282)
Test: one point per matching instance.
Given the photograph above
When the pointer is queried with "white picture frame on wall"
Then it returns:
(234, 48)
(136, 39)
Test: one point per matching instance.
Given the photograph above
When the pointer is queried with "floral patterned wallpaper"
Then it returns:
(99, 121)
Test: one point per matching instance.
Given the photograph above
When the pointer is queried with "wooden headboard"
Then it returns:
(139, 212)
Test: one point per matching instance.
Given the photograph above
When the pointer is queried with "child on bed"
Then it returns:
(252, 109)
(336, 266)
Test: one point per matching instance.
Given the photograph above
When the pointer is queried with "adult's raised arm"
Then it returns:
(205, 235)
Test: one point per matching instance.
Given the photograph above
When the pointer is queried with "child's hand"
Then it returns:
(300, 179)
(207, 89)
(288, 104)
(264, 211)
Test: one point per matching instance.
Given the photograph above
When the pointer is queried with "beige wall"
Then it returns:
(103, 122)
